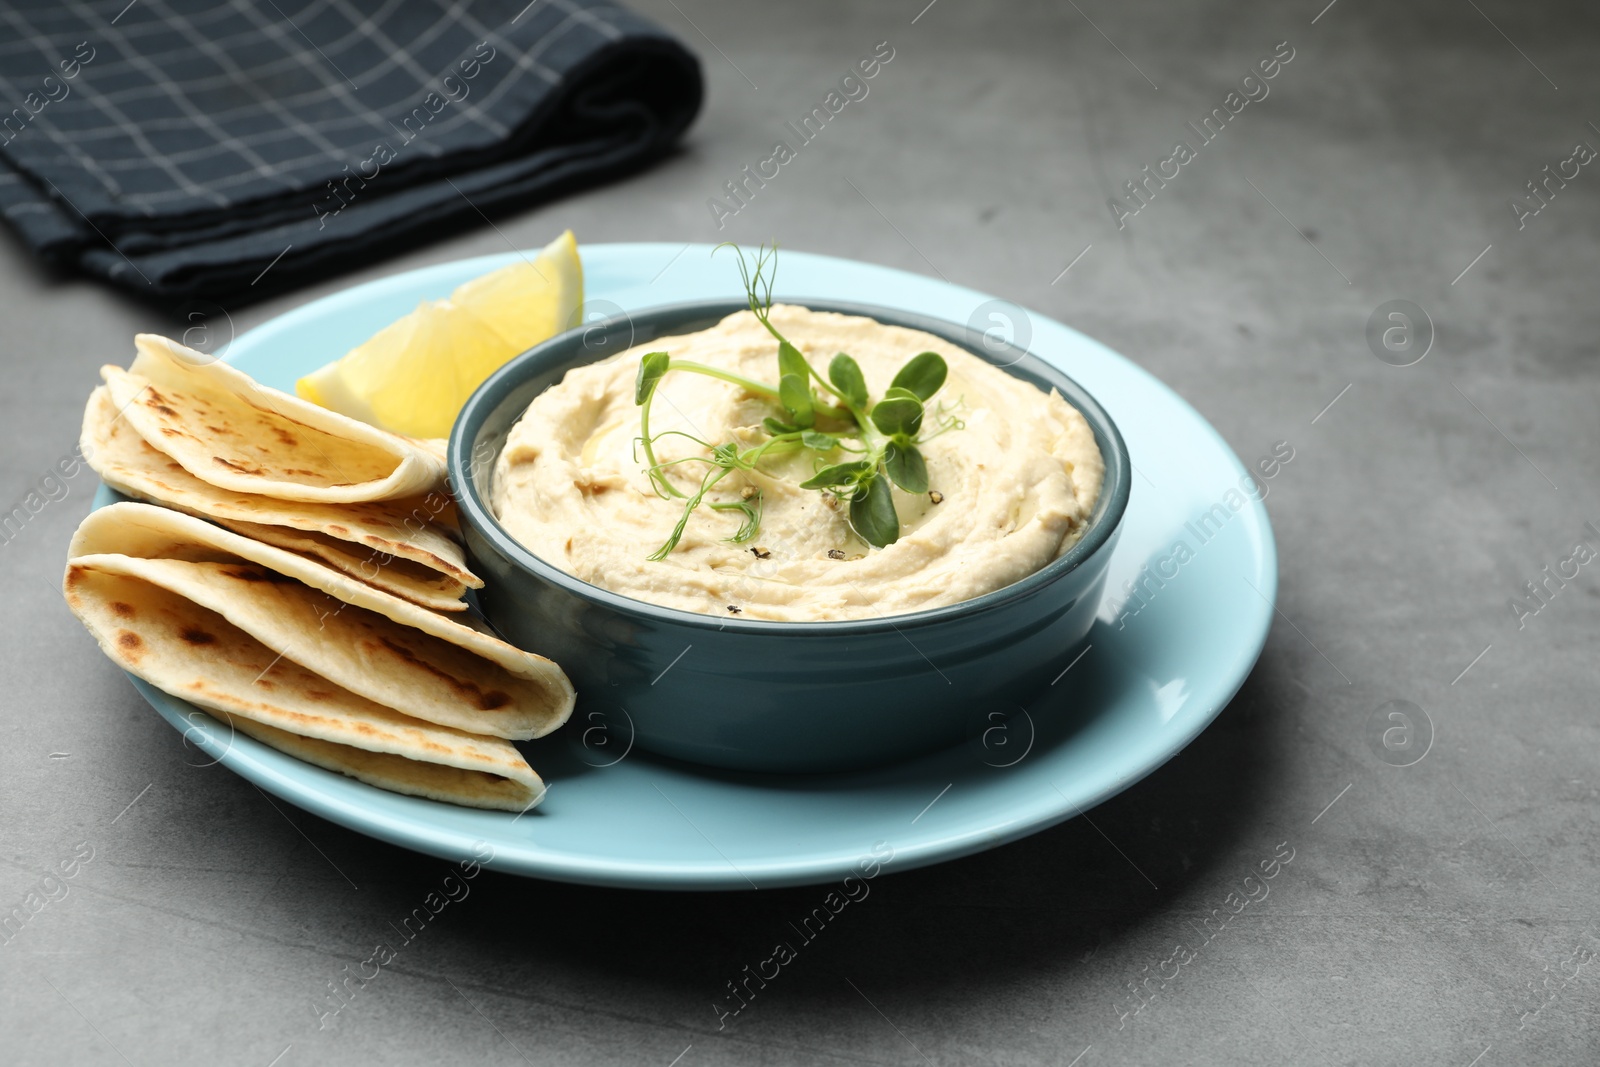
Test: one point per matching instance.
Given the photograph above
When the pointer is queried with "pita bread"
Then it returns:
(371, 642)
(412, 581)
(472, 787)
(226, 429)
(400, 546)
(194, 653)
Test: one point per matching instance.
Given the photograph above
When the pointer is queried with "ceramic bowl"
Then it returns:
(777, 696)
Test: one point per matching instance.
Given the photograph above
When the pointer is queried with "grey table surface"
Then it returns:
(1439, 913)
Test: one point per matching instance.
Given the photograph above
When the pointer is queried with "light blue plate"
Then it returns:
(1157, 670)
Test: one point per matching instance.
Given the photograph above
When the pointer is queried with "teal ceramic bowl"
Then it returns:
(772, 696)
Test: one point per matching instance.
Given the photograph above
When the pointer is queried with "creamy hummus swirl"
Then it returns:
(1011, 489)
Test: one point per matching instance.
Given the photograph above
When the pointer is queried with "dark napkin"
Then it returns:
(188, 148)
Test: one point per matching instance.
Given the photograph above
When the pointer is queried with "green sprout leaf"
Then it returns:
(845, 374)
(651, 368)
(777, 428)
(839, 474)
(906, 466)
(923, 375)
(790, 361)
(795, 395)
(821, 442)
(898, 416)
(872, 512)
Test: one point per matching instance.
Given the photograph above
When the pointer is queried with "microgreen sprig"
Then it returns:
(815, 414)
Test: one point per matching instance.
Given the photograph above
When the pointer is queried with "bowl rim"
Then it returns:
(487, 398)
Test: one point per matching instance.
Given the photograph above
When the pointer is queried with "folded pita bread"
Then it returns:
(401, 546)
(411, 581)
(372, 643)
(225, 428)
(510, 786)
(194, 653)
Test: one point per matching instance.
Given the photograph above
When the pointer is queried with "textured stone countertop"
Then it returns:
(1440, 913)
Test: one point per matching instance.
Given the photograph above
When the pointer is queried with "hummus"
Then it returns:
(1011, 488)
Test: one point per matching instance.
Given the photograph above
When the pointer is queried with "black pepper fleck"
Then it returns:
(834, 553)
(936, 496)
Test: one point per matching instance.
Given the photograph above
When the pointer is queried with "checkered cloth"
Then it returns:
(192, 147)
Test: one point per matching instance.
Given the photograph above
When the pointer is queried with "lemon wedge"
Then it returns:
(413, 376)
